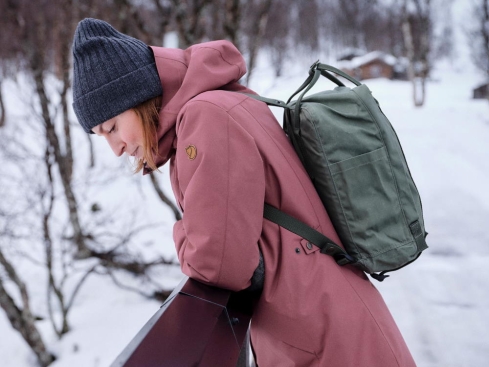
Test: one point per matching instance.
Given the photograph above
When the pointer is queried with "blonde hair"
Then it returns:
(148, 113)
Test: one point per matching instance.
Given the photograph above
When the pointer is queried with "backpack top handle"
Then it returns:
(317, 69)
(326, 68)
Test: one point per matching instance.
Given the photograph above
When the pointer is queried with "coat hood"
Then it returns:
(186, 73)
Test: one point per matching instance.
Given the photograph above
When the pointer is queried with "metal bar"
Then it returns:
(199, 325)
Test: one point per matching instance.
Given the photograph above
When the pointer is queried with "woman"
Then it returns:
(228, 156)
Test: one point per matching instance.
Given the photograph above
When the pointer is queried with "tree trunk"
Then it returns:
(64, 169)
(22, 320)
(48, 246)
(128, 13)
(2, 108)
(65, 51)
(231, 21)
(164, 15)
(417, 23)
(257, 34)
(189, 19)
(408, 42)
(485, 35)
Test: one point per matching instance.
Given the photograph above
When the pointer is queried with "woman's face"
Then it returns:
(124, 133)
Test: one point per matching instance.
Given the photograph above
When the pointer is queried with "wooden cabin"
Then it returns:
(481, 92)
(374, 64)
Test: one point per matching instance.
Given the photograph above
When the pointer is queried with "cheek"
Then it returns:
(137, 134)
(132, 132)
(130, 136)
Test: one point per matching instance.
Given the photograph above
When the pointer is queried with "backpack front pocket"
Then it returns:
(371, 210)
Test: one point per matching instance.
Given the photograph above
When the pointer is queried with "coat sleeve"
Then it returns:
(221, 176)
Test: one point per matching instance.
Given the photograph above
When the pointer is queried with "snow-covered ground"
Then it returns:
(440, 302)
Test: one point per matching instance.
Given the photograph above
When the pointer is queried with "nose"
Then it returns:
(116, 145)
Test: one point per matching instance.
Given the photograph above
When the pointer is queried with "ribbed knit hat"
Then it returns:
(112, 73)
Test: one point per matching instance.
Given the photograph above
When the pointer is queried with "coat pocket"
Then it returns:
(368, 194)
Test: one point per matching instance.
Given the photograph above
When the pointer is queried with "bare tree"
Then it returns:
(256, 30)
(418, 38)
(479, 37)
(40, 177)
(146, 20)
(363, 25)
(233, 14)
(277, 37)
(35, 26)
(2, 107)
(225, 21)
(443, 39)
(190, 20)
(127, 14)
(21, 318)
(163, 17)
(8, 49)
(34, 195)
(64, 278)
(352, 19)
(307, 30)
(55, 288)
(163, 197)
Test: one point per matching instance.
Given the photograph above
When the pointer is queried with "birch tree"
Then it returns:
(256, 30)
(21, 316)
(418, 36)
(479, 37)
(2, 107)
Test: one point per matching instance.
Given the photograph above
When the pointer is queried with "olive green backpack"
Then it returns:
(355, 161)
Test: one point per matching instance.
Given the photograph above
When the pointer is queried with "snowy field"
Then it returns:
(441, 302)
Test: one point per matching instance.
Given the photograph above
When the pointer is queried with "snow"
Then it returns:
(440, 302)
(367, 58)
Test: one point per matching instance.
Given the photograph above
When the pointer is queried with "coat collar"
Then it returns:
(186, 73)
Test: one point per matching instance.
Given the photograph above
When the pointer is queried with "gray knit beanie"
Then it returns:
(112, 73)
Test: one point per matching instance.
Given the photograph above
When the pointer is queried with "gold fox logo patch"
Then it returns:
(191, 152)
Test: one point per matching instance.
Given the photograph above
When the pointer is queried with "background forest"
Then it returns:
(69, 223)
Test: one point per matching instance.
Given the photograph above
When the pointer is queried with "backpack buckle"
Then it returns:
(313, 67)
(343, 259)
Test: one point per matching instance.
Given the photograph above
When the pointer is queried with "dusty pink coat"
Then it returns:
(312, 312)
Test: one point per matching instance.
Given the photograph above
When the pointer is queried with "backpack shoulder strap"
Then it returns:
(294, 225)
(268, 101)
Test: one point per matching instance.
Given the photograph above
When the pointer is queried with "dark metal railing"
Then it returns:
(198, 325)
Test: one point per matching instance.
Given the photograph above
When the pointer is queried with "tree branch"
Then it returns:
(22, 320)
(163, 197)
